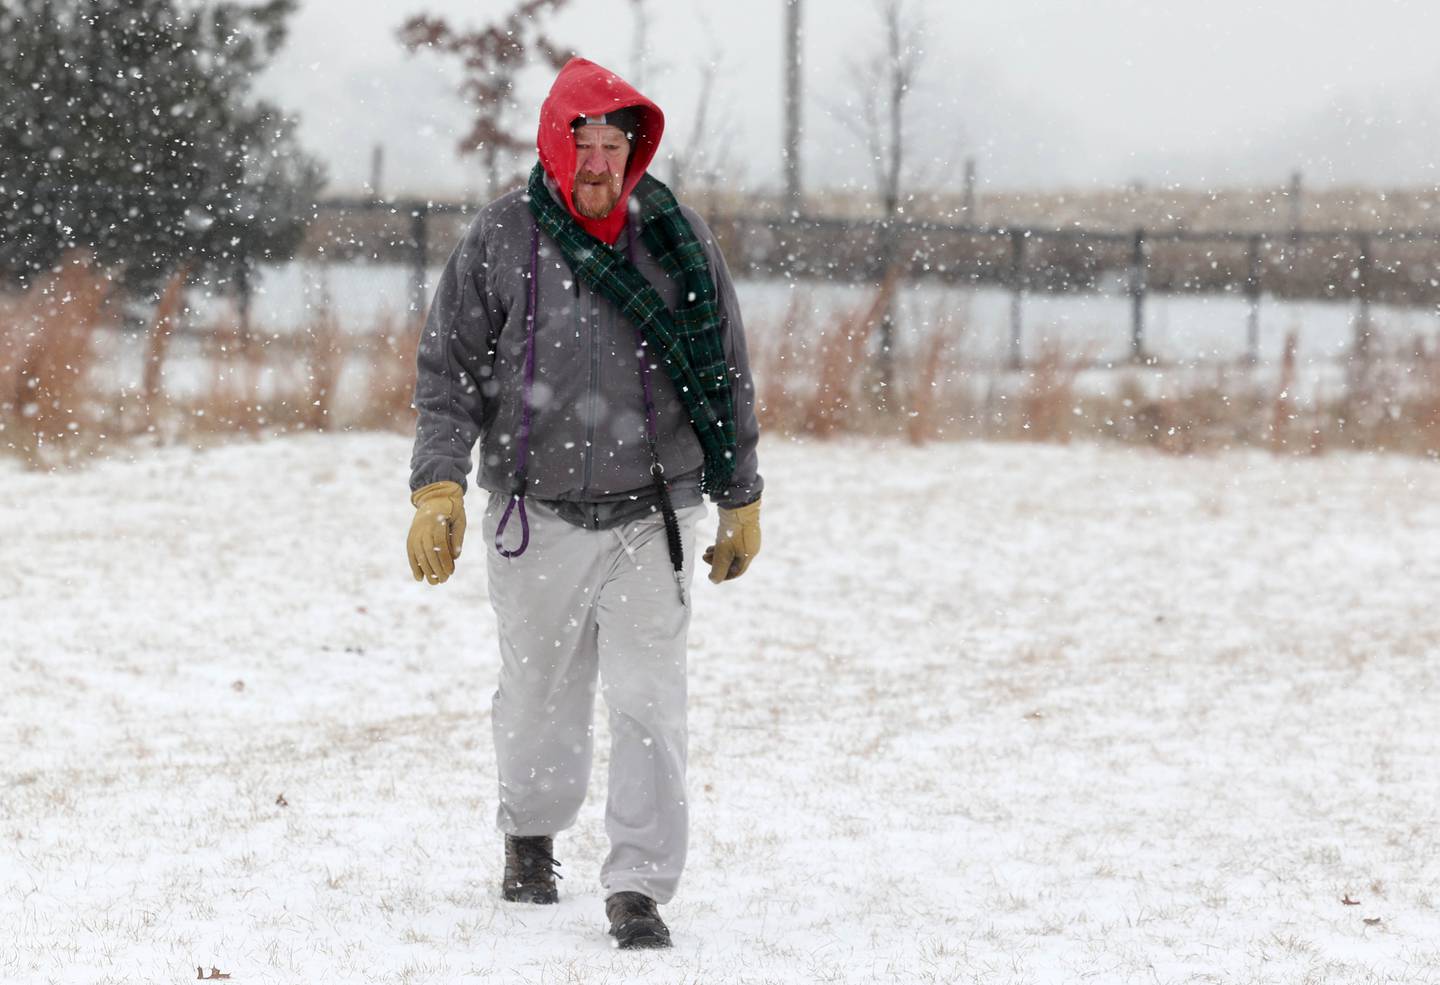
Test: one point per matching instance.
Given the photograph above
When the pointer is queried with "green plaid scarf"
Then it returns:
(688, 340)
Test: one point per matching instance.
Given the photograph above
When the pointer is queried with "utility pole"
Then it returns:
(377, 169)
(970, 219)
(1297, 210)
(792, 106)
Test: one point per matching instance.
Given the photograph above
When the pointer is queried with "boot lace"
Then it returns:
(534, 861)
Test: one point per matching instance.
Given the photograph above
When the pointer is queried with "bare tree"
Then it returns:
(640, 42)
(690, 155)
(884, 81)
(888, 77)
(493, 57)
(706, 154)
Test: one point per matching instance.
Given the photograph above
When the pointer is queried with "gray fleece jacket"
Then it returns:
(588, 457)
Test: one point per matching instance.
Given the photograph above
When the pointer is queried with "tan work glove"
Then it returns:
(736, 542)
(437, 532)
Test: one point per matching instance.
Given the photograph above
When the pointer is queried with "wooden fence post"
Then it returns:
(377, 172)
(1137, 297)
(244, 294)
(1017, 295)
(970, 217)
(1252, 292)
(1364, 268)
(418, 232)
(1297, 207)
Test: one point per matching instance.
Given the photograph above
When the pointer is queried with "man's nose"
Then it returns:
(594, 161)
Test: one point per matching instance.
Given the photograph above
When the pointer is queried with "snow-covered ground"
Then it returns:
(978, 713)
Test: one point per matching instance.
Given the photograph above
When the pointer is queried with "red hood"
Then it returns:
(585, 89)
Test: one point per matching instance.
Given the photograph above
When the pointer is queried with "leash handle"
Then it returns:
(515, 498)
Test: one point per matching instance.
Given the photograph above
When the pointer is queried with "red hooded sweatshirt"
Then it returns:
(585, 89)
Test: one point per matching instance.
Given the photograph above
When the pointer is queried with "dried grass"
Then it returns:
(232, 401)
(811, 380)
(1048, 402)
(298, 380)
(323, 360)
(1283, 412)
(167, 321)
(1423, 408)
(775, 365)
(46, 405)
(935, 398)
(388, 384)
(1392, 400)
(280, 381)
(844, 366)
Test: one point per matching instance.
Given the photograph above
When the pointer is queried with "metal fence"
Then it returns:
(1392, 266)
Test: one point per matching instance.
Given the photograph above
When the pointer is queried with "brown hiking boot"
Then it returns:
(635, 922)
(530, 870)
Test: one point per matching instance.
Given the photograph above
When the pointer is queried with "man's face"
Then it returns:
(600, 156)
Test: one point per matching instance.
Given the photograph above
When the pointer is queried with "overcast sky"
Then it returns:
(1043, 93)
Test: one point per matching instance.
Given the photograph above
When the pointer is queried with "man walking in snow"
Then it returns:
(586, 333)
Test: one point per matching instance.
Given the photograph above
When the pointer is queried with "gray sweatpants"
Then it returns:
(576, 605)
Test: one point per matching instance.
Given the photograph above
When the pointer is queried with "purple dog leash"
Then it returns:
(657, 470)
(517, 482)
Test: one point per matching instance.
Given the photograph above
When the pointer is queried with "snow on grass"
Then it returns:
(978, 713)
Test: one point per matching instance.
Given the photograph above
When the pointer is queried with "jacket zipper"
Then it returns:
(594, 392)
